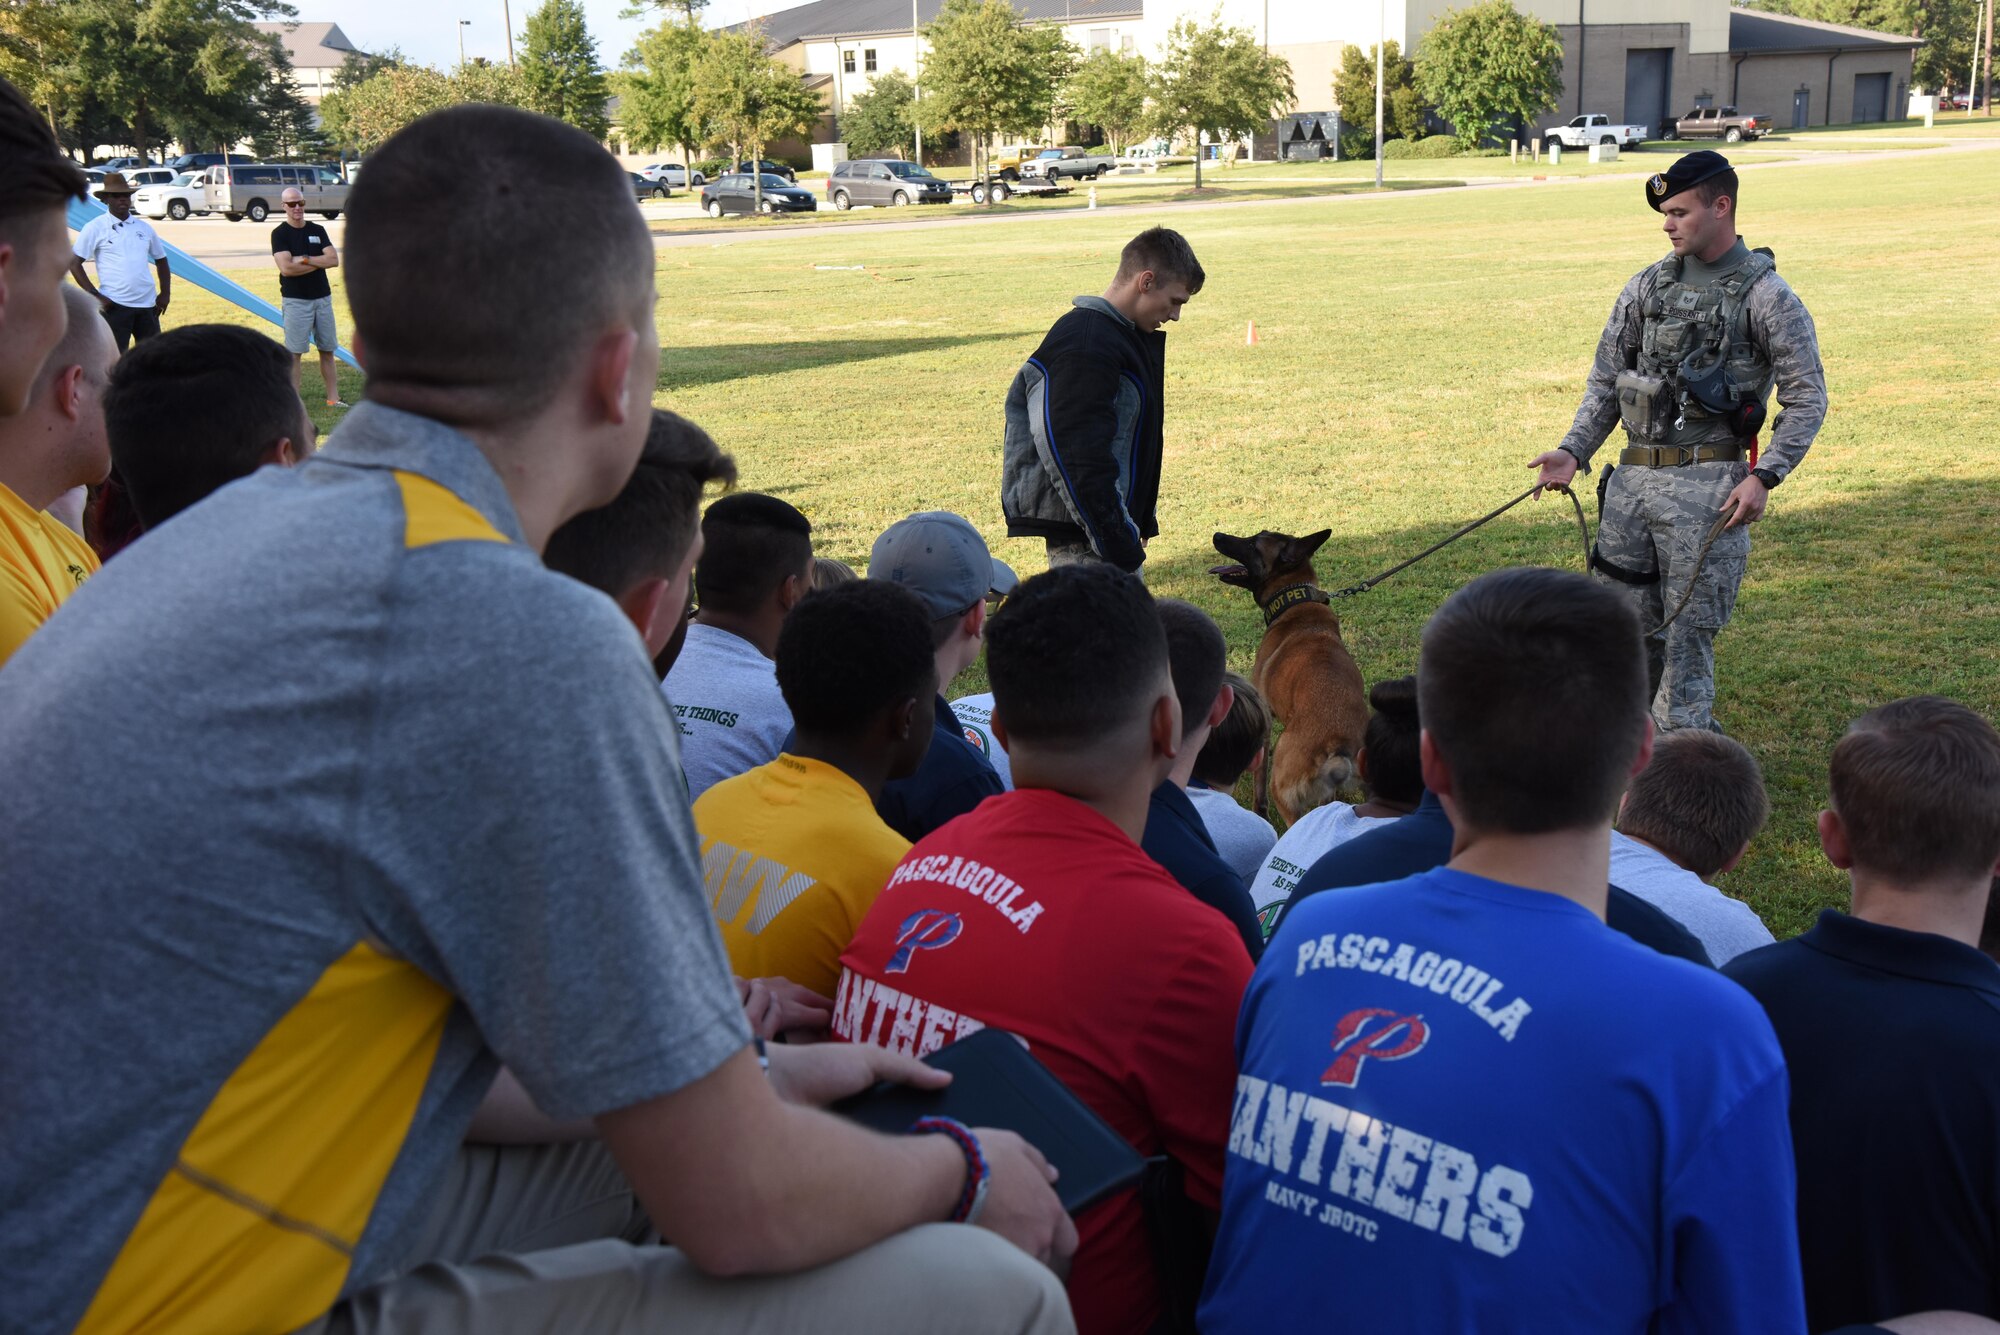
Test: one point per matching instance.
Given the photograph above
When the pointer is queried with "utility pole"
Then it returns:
(1988, 95)
(917, 84)
(1381, 37)
(463, 24)
(507, 17)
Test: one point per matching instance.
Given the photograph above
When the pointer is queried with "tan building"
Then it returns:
(317, 51)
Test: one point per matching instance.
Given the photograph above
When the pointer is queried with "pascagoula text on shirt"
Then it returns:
(868, 1011)
(1324, 1156)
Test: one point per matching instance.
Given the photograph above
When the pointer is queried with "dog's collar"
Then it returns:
(1289, 598)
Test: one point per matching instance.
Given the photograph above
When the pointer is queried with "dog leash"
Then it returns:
(1582, 528)
(1715, 531)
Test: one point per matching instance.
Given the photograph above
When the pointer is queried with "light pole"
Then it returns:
(507, 17)
(1381, 36)
(463, 24)
(917, 86)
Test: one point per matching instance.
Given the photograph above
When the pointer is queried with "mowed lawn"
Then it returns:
(1414, 352)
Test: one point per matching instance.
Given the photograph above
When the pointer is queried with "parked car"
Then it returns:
(888, 181)
(1151, 156)
(672, 173)
(127, 164)
(736, 193)
(1052, 164)
(253, 190)
(768, 167)
(1718, 123)
(191, 161)
(1584, 131)
(646, 189)
(176, 199)
(1961, 101)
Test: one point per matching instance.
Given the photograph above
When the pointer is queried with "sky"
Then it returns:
(428, 31)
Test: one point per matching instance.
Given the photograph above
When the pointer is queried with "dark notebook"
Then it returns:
(997, 1082)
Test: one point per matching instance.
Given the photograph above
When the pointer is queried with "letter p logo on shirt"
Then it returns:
(926, 929)
(1398, 1036)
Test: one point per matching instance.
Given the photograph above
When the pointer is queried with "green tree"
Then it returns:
(1219, 79)
(1354, 97)
(880, 120)
(689, 10)
(34, 50)
(359, 118)
(560, 70)
(286, 126)
(987, 72)
(656, 88)
(1489, 64)
(1109, 91)
(748, 99)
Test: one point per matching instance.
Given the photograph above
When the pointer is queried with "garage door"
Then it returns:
(1648, 74)
(1871, 97)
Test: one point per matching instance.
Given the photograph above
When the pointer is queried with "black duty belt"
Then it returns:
(1679, 456)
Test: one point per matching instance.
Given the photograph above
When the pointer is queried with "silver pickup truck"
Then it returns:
(1055, 163)
(1584, 131)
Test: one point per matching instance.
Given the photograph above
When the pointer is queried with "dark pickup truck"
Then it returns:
(1718, 123)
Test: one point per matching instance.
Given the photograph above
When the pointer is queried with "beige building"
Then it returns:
(317, 51)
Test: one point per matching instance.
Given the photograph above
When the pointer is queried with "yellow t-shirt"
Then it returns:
(41, 563)
(793, 855)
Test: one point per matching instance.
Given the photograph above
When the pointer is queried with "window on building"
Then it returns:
(1704, 99)
(847, 62)
(1100, 40)
(868, 60)
(1127, 43)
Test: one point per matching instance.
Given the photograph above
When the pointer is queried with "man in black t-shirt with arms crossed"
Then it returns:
(304, 253)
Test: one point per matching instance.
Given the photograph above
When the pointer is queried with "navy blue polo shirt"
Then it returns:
(953, 779)
(1893, 1040)
(1422, 840)
(1177, 839)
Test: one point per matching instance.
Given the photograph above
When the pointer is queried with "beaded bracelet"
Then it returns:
(978, 1174)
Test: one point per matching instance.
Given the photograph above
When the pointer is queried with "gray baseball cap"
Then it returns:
(941, 558)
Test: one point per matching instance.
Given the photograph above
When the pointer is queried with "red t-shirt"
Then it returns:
(1036, 915)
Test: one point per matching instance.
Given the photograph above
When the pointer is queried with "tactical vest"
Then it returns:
(1696, 339)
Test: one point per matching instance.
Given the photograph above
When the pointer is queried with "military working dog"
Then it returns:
(1303, 669)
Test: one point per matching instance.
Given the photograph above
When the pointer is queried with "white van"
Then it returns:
(254, 190)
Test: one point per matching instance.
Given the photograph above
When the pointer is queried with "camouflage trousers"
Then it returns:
(1651, 530)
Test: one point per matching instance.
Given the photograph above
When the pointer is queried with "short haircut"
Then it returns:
(1916, 784)
(1165, 252)
(1699, 800)
(646, 532)
(752, 543)
(1074, 656)
(1718, 185)
(1497, 657)
(487, 248)
(847, 653)
(194, 409)
(85, 326)
(1393, 740)
(1197, 655)
(1243, 732)
(943, 628)
(829, 571)
(35, 177)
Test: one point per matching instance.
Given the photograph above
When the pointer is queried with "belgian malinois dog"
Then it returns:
(1303, 670)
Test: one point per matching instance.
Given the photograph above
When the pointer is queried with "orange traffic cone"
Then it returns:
(1250, 335)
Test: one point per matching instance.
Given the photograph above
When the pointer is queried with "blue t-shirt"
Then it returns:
(953, 779)
(1465, 1106)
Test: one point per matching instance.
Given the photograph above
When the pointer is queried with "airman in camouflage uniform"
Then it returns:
(1693, 347)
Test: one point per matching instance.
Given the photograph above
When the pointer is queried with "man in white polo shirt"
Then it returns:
(123, 246)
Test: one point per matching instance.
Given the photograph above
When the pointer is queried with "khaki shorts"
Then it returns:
(309, 320)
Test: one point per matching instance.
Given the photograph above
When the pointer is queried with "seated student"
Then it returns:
(756, 563)
(1890, 1020)
(392, 803)
(1687, 818)
(1175, 836)
(941, 558)
(1038, 914)
(828, 572)
(792, 852)
(1503, 1133)
(1387, 763)
(196, 408)
(52, 446)
(1235, 747)
(1423, 840)
(641, 548)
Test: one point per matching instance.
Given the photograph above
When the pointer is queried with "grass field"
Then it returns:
(1415, 352)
